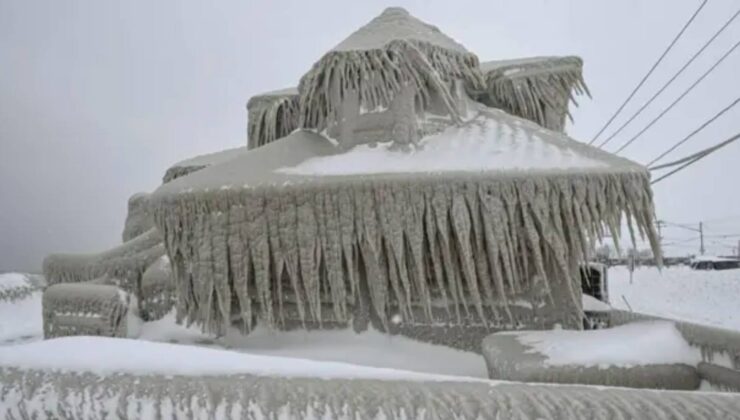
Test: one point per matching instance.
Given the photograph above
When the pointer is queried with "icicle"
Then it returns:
(536, 89)
(271, 116)
(461, 229)
(379, 74)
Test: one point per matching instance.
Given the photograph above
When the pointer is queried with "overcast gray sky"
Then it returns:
(97, 99)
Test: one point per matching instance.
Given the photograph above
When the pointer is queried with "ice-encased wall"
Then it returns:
(72, 395)
(271, 116)
(538, 89)
(464, 242)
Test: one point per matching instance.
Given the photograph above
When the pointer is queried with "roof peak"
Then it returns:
(394, 24)
(395, 10)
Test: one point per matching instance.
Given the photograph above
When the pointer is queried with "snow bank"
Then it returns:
(636, 344)
(370, 348)
(104, 355)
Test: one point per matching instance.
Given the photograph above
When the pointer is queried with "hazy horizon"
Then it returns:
(98, 99)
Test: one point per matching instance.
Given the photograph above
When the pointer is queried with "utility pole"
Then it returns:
(701, 238)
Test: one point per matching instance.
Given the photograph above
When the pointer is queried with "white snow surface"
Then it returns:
(592, 304)
(484, 144)
(370, 348)
(700, 296)
(105, 355)
(9, 281)
(635, 344)
(21, 319)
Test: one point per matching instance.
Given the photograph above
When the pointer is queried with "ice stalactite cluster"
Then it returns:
(123, 264)
(53, 394)
(138, 218)
(538, 89)
(271, 116)
(468, 240)
(157, 290)
(391, 52)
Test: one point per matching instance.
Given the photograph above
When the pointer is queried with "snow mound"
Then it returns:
(104, 355)
(370, 348)
(636, 344)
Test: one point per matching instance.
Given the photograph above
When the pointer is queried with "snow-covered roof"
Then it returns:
(493, 144)
(395, 23)
(199, 162)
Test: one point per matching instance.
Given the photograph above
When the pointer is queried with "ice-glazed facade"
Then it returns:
(401, 202)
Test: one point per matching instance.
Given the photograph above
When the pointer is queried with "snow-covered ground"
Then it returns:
(21, 322)
(699, 296)
(370, 348)
(704, 297)
(104, 355)
(20, 318)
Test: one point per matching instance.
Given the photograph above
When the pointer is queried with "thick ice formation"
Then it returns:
(393, 52)
(244, 235)
(538, 89)
(122, 265)
(272, 115)
(138, 218)
(197, 163)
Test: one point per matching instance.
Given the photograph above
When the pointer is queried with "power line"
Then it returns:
(639, 85)
(668, 83)
(688, 160)
(686, 92)
(701, 127)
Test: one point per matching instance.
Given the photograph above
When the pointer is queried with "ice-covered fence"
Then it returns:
(46, 394)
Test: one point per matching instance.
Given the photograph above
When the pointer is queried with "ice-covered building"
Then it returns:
(405, 186)
(402, 185)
